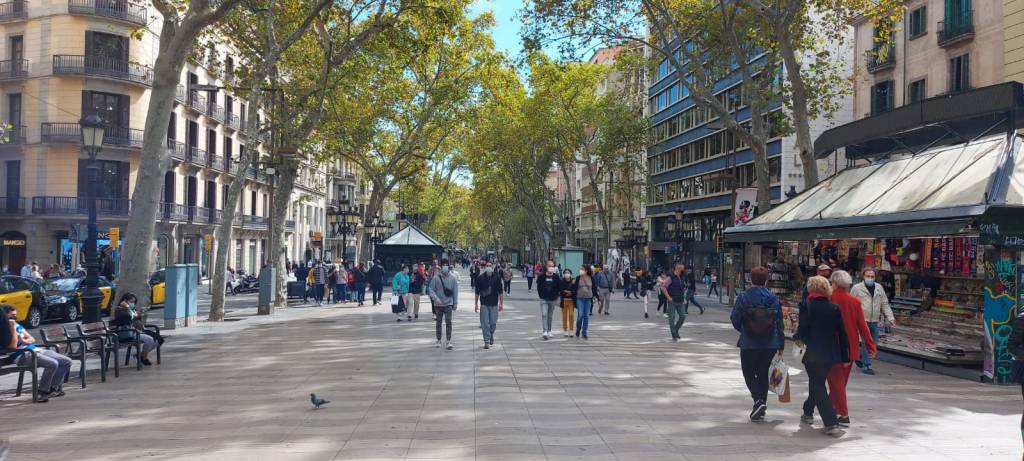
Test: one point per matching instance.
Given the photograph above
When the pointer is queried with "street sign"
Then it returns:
(209, 241)
(115, 237)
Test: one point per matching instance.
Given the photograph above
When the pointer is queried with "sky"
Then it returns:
(507, 24)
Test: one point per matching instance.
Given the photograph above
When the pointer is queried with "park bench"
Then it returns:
(8, 367)
(101, 342)
(73, 348)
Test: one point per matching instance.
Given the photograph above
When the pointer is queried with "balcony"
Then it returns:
(196, 156)
(216, 162)
(114, 136)
(259, 222)
(177, 150)
(200, 214)
(231, 167)
(12, 205)
(197, 102)
(215, 112)
(956, 28)
(877, 62)
(13, 135)
(215, 216)
(180, 95)
(99, 66)
(13, 70)
(173, 212)
(289, 225)
(13, 10)
(79, 205)
(120, 10)
(231, 121)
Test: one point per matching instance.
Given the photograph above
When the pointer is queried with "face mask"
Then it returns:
(488, 270)
(551, 270)
(131, 306)
(444, 269)
(567, 276)
(869, 282)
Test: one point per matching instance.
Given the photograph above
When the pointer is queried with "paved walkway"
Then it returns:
(240, 390)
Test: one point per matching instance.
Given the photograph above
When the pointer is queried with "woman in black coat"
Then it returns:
(821, 331)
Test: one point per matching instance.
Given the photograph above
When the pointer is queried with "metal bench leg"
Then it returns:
(117, 363)
(158, 353)
(81, 370)
(103, 368)
(21, 383)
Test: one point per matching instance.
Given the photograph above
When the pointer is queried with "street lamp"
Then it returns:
(342, 225)
(633, 233)
(376, 225)
(92, 127)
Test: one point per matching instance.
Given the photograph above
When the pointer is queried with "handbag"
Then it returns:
(397, 304)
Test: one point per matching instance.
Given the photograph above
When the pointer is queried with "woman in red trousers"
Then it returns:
(856, 330)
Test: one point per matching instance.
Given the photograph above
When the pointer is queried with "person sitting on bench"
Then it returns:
(55, 365)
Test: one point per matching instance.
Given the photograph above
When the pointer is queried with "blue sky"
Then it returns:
(506, 29)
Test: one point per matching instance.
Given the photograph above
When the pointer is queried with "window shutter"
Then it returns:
(123, 170)
(966, 63)
(86, 103)
(125, 105)
(89, 43)
(124, 47)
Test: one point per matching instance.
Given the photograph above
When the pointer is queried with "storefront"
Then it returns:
(938, 211)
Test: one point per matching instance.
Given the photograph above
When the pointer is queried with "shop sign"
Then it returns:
(14, 242)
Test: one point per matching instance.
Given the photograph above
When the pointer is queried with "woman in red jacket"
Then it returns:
(856, 330)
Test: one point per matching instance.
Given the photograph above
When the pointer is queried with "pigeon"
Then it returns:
(317, 401)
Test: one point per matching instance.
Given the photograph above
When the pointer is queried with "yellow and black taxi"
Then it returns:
(157, 287)
(27, 297)
(64, 296)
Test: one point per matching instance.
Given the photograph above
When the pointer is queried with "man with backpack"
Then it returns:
(757, 315)
(675, 294)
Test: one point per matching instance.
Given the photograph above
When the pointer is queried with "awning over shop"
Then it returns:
(940, 191)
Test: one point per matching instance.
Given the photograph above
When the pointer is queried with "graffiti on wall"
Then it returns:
(1002, 275)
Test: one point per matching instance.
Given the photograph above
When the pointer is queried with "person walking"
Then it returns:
(507, 278)
(675, 296)
(301, 274)
(856, 331)
(585, 293)
(757, 316)
(317, 278)
(875, 305)
(646, 283)
(416, 287)
(375, 276)
(567, 290)
(713, 288)
(359, 281)
(443, 290)
(548, 292)
(604, 280)
(400, 287)
(332, 282)
(341, 288)
(529, 274)
(691, 290)
(822, 332)
(707, 275)
(662, 300)
(490, 300)
(474, 273)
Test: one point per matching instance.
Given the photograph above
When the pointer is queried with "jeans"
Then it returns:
(508, 286)
(488, 322)
(837, 378)
(662, 302)
(340, 292)
(318, 293)
(755, 364)
(378, 292)
(529, 283)
(55, 367)
(605, 303)
(690, 296)
(443, 313)
(864, 357)
(676, 318)
(568, 312)
(360, 292)
(714, 289)
(583, 306)
(817, 393)
(547, 310)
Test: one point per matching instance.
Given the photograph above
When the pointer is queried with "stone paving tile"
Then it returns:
(627, 394)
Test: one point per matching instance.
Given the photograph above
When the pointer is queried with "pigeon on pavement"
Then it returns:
(317, 401)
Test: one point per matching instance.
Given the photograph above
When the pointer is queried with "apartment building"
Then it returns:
(64, 59)
(942, 47)
(694, 165)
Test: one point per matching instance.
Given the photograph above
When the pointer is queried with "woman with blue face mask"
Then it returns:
(129, 327)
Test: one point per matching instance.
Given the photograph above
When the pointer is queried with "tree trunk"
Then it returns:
(224, 231)
(282, 196)
(138, 235)
(801, 117)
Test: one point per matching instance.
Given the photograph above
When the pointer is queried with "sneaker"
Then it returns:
(438, 344)
(487, 345)
(675, 340)
(43, 397)
(869, 371)
(859, 364)
(408, 317)
(146, 362)
(645, 315)
(807, 419)
(758, 411)
(57, 393)
(449, 345)
(844, 421)
(607, 313)
(399, 320)
(416, 316)
(584, 336)
(565, 333)
(544, 336)
(834, 431)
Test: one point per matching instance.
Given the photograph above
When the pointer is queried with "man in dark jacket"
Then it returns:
(301, 275)
(548, 291)
(375, 277)
(675, 293)
(757, 315)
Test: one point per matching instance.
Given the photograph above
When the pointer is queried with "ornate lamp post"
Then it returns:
(342, 225)
(376, 226)
(92, 128)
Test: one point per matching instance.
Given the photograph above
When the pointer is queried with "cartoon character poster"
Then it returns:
(745, 206)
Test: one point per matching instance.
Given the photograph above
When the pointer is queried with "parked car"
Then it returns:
(157, 287)
(64, 296)
(27, 297)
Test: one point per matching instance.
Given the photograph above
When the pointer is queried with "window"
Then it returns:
(110, 107)
(916, 91)
(211, 142)
(960, 73)
(917, 22)
(17, 49)
(106, 47)
(14, 109)
(882, 97)
(111, 179)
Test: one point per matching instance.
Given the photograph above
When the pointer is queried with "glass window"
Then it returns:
(882, 97)
(960, 73)
(917, 22)
(916, 91)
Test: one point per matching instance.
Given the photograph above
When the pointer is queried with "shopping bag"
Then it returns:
(395, 300)
(798, 352)
(784, 397)
(778, 375)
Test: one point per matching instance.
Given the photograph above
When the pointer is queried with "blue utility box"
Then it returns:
(181, 306)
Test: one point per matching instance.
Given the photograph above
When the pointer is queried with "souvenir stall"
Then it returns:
(939, 217)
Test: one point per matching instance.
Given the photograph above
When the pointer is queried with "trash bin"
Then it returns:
(181, 305)
(296, 290)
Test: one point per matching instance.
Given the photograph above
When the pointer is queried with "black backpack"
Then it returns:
(759, 320)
